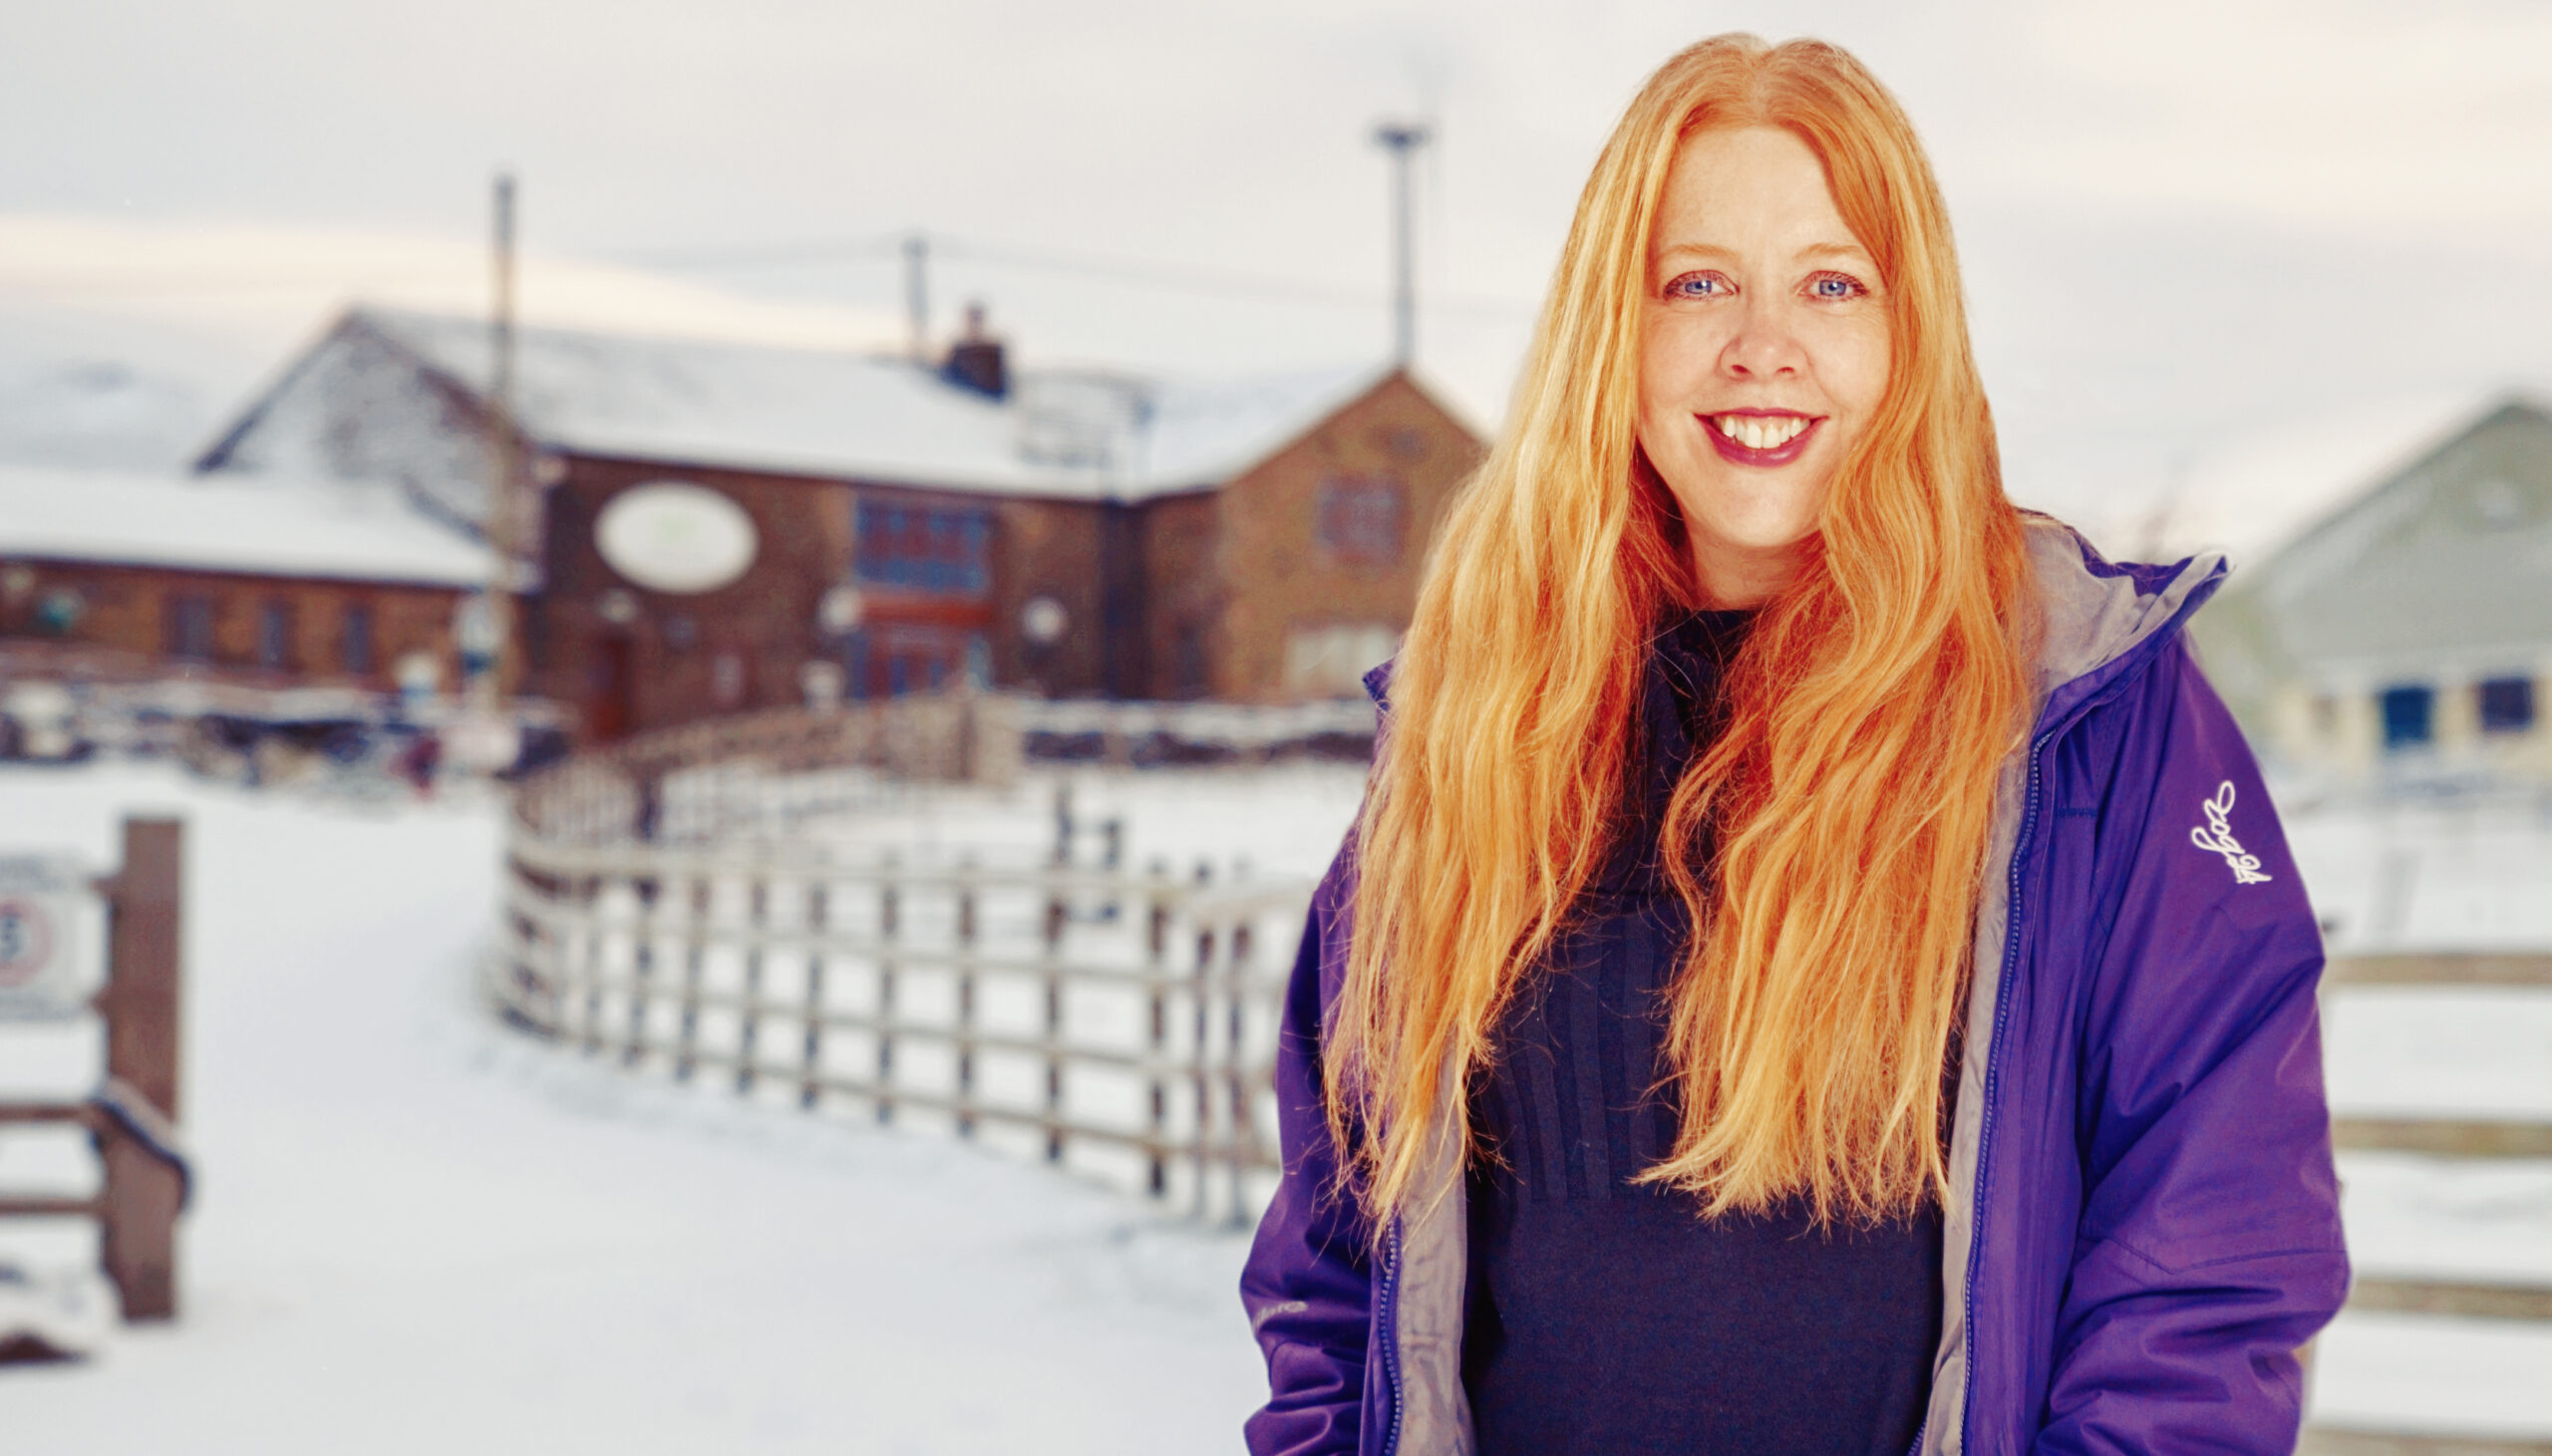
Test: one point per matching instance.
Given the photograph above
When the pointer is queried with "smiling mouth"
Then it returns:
(1761, 438)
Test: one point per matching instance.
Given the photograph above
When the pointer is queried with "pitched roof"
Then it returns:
(2448, 557)
(1085, 433)
(250, 526)
(2251, 496)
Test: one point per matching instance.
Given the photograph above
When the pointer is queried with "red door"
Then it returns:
(614, 705)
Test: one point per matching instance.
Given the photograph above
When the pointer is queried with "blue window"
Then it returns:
(2507, 705)
(274, 634)
(1358, 520)
(2410, 718)
(355, 642)
(938, 552)
(187, 632)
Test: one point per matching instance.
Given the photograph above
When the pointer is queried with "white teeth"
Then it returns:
(1760, 431)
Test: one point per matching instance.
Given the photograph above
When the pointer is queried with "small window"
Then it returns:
(1189, 669)
(2507, 705)
(274, 634)
(1358, 519)
(187, 630)
(2409, 715)
(354, 640)
(58, 611)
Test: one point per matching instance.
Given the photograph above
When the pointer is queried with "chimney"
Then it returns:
(974, 361)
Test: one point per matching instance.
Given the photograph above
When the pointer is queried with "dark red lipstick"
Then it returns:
(1739, 453)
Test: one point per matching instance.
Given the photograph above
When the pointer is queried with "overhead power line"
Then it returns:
(1106, 267)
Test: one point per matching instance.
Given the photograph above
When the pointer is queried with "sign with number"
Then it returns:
(53, 938)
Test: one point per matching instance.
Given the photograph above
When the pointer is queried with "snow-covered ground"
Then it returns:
(416, 1232)
(2414, 877)
(2460, 876)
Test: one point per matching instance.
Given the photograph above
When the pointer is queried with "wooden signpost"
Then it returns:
(111, 946)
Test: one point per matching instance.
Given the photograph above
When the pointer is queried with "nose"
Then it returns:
(1763, 346)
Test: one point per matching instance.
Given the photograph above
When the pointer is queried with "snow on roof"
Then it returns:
(220, 523)
(1073, 433)
(2255, 493)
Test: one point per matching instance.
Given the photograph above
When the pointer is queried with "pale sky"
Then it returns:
(2182, 223)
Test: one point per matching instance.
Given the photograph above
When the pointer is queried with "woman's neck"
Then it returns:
(1729, 576)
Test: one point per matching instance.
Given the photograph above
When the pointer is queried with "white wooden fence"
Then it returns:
(1118, 1024)
(2508, 1303)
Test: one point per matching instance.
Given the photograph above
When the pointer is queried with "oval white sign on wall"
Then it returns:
(670, 536)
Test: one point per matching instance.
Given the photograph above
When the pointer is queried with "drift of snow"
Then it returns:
(417, 1232)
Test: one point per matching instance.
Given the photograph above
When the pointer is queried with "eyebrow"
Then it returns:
(1826, 250)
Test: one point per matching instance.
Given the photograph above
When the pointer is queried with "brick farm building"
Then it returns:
(723, 527)
(268, 588)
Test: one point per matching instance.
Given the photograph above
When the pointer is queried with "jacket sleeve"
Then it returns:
(2209, 1247)
(1308, 1284)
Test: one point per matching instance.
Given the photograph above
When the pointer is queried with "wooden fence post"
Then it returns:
(1243, 1132)
(965, 1003)
(811, 1056)
(1156, 1041)
(142, 1007)
(1057, 914)
(757, 915)
(1201, 996)
(593, 963)
(642, 968)
(694, 951)
(888, 916)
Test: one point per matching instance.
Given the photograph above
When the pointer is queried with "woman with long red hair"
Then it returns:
(1816, 971)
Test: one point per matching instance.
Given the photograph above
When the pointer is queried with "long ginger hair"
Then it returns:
(1848, 795)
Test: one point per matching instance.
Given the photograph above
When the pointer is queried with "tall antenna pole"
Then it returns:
(505, 476)
(1401, 139)
(917, 296)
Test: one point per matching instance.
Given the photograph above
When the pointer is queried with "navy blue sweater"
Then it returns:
(1613, 1319)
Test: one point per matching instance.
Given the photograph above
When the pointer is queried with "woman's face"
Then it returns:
(1764, 352)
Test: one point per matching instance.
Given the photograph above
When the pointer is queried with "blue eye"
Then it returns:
(1835, 286)
(1700, 285)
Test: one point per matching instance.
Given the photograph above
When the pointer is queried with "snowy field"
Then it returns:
(418, 1233)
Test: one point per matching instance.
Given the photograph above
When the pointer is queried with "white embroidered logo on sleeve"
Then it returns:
(2215, 836)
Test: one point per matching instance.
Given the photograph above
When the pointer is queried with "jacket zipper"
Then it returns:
(1390, 1332)
(1992, 1069)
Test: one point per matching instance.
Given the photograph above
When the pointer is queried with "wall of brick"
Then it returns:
(1186, 596)
(1275, 575)
(124, 609)
(670, 647)
(1050, 549)
(1184, 568)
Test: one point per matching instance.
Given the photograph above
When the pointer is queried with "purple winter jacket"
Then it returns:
(2142, 1224)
